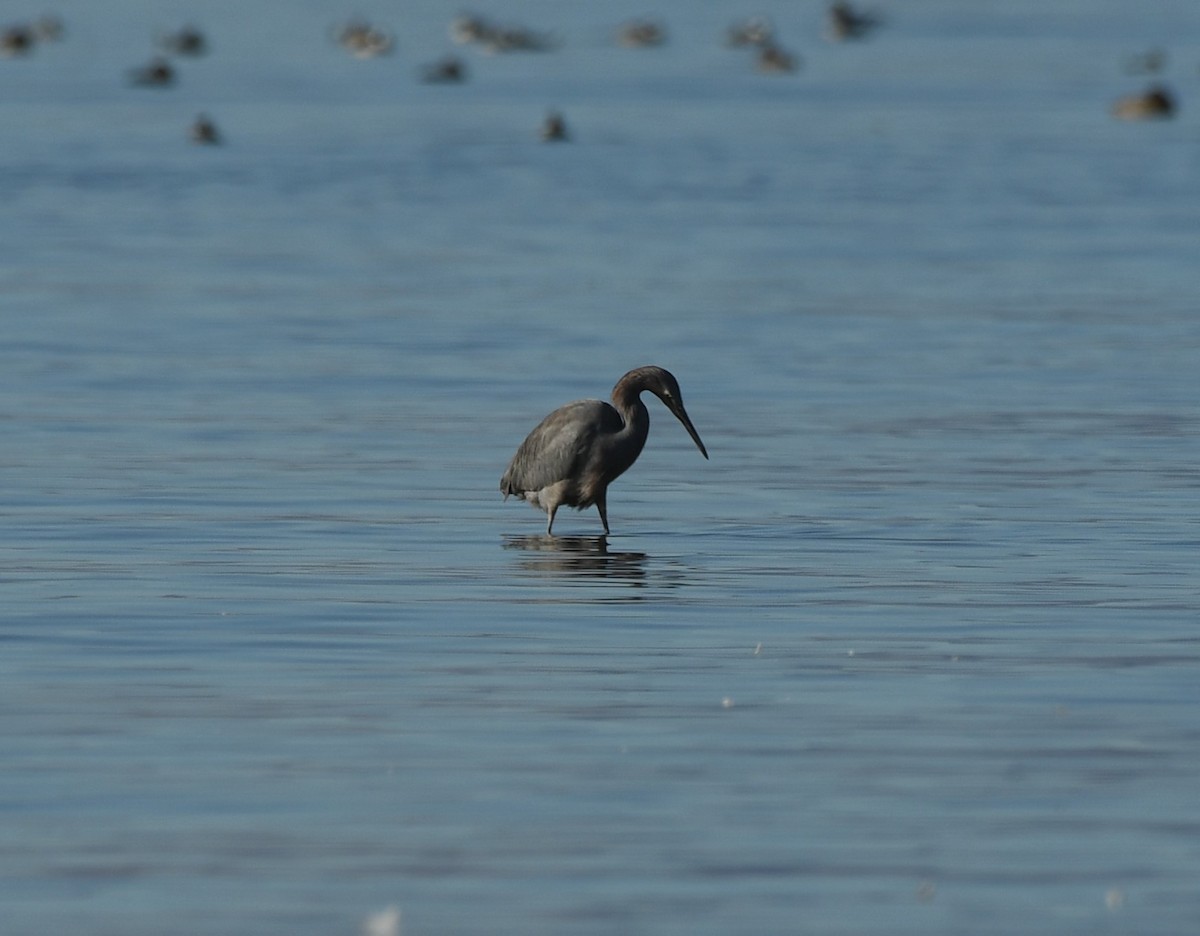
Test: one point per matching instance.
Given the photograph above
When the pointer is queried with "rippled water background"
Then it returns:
(915, 652)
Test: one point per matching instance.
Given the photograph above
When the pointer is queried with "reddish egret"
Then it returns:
(577, 451)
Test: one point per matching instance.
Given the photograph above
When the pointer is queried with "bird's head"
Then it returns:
(662, 384)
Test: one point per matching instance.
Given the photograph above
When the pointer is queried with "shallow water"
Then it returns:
(914, 652)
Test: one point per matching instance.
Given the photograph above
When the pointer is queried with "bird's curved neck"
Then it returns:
(626, 444)
(627, 399)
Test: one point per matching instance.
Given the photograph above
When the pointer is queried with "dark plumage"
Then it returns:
(576, 452)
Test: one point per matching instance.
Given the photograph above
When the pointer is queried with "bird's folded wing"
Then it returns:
(558, 449)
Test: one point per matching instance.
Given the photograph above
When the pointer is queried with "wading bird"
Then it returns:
(577, 451)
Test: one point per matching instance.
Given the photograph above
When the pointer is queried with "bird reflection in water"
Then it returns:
(586, 556)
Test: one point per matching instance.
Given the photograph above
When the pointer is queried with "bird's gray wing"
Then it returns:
(559, 447)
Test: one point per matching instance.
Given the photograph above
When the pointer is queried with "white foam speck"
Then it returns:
(384, 923)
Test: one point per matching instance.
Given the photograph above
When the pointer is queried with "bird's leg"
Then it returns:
(602, 506)
(550, 519)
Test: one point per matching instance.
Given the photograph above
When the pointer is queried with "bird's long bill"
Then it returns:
(682, 416)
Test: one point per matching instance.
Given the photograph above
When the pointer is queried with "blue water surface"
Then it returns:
(914, 652)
